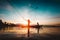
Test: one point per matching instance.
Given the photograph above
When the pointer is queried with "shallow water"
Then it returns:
(22, 32)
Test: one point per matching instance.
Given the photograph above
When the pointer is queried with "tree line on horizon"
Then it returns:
(5, 24)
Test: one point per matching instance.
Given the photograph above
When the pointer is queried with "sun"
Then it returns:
(24, 22)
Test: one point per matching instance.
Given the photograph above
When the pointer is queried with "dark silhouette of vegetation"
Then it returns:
(5, 24)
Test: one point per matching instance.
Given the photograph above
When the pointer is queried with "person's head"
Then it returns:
(37, 23)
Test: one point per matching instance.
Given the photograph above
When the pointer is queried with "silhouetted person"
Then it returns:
(28, 27)
(38, 27)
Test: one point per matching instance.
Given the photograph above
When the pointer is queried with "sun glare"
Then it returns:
(25, 22)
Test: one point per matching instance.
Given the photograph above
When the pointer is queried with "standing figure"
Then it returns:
(28, 27)
(38, 27)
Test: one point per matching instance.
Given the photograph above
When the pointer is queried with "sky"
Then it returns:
(19, 11)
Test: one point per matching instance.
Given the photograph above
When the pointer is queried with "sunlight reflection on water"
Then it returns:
(23, 31)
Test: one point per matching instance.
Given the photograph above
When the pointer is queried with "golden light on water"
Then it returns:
(24, 31)
(19, 30)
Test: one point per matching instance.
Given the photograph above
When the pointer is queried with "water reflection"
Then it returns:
(19, 32)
